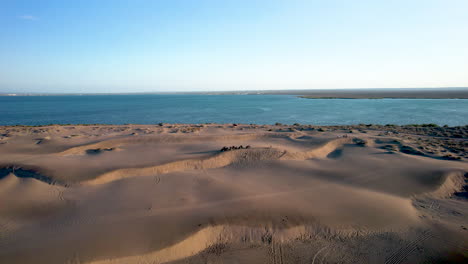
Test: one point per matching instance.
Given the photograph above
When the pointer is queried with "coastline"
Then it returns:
(349, 93)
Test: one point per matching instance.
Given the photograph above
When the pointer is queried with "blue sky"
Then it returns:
(175, 45)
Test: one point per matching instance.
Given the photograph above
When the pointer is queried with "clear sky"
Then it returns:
(180, 45)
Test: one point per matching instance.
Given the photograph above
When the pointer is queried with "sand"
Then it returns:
(297, 194)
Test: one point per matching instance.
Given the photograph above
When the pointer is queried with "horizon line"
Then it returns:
(259, 91)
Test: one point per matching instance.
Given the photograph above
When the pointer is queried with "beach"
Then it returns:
(233, 193)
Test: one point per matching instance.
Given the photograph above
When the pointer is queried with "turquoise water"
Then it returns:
(259, 109)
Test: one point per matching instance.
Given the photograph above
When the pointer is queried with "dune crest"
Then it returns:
(122, 141)
(453, 182)
(319, 152)
(222, 159)
(216, 238)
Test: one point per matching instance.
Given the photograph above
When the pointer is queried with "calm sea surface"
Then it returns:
(259, 109)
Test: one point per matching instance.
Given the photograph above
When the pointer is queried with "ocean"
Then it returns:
(246, 109)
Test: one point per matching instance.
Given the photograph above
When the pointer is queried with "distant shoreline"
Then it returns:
(377, 98)
(377, 93)
(387, 94)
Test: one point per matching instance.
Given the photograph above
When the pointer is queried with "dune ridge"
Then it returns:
(220, 160)
(125, 140)
(454, 181)
(217, 161)
(215, 239)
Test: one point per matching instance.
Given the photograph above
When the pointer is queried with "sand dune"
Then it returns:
(167, 194)
(448, 184)
(222, 159)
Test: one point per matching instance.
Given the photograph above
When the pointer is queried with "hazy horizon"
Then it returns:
(338, 91)
(213, 46)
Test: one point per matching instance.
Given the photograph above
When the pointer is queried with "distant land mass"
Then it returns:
(393, 93)
(350, 93)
